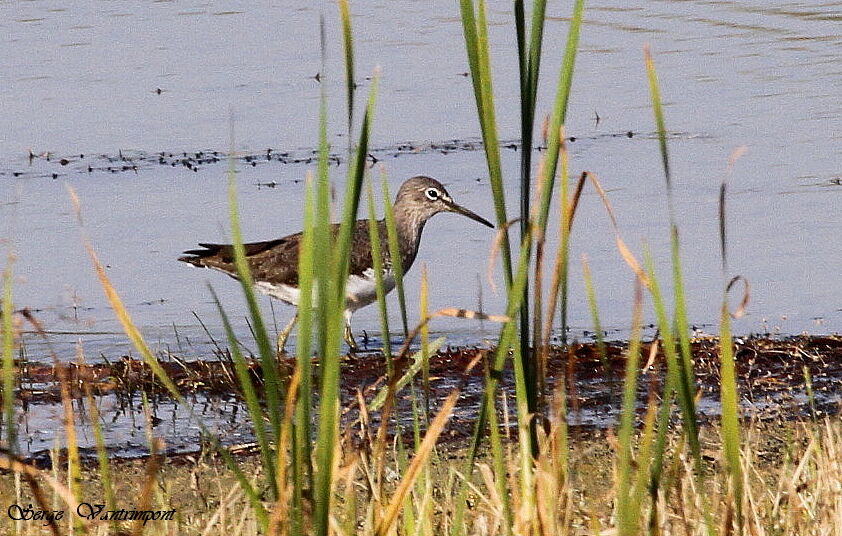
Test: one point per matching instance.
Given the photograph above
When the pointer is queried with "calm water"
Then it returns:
(83, 78)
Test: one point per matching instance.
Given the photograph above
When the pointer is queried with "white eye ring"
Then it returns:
(432, 194)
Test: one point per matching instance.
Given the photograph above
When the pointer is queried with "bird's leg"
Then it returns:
(284, 334)
(349, 337)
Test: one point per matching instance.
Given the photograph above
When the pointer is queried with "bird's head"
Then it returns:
(423, 197)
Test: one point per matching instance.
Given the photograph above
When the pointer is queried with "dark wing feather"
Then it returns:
(272, 261)
(276, 261)
(361, 259)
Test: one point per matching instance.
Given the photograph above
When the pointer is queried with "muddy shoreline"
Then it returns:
(772, 382)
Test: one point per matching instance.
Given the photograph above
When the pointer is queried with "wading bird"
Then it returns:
(274, 263)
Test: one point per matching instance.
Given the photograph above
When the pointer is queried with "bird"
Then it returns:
(274, 263)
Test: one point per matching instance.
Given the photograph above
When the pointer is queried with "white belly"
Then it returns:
(284, 293)
(359, 290)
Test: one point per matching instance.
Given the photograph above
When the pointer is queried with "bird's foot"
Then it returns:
(284, 335)
(349, 340)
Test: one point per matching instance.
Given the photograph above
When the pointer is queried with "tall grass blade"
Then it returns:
(559, 113)
(302, 470)
(425, 340)
(327, 323)
(686, 371)
(674, 383)
(730, 412)
(380, 290)
(353, 189)
(348, 48)
(475, 29)
(331, 311)
(685, 375)
(729, 398)
(559, 282)
(268, 361)
(529, 61)
(628, 513)
(597, 326)
(252, 400)
(657, 110)
(394, 249)
(8, 359)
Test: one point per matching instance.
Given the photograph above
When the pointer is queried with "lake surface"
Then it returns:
(105, 88)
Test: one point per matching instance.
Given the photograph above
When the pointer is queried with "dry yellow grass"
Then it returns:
(793, 483)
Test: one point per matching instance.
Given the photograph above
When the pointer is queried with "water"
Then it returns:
(85, 80)
(110, 85)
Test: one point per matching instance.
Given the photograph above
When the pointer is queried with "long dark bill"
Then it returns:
(465, 212)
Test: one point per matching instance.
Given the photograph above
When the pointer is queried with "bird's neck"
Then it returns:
(409, 238)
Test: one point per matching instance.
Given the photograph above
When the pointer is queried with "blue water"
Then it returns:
(83, 79)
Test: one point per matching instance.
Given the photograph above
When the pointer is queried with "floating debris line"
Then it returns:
(50, 165)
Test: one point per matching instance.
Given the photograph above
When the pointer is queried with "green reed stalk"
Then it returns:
(322, 237)
(684, 370)
(353, 189)
(425, 342)
(268, 361)
(8, 358)
(730, 412)
(475, 31)
(327, 325)
(728, 396)
(380, 291)
(563, 255)
(682, 327)
(554, 141)
(255, 410)
(529, 62)
(673, 384)
(591, 294)
(348, 48)
(498, 461)
(332, 303)
(628, 505)
(394, 249)
(302, 470)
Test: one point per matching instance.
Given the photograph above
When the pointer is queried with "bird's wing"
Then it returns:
(360, 258)
(276, 261)
(273, 261)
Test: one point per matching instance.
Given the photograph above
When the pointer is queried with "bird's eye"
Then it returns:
(432, 194)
